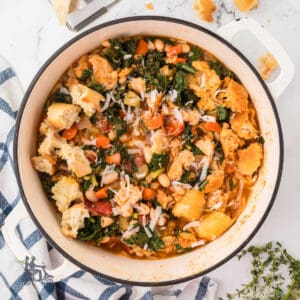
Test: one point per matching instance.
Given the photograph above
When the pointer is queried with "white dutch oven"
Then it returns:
(175, 269)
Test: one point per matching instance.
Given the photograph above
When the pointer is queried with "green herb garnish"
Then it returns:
(158, 161)
(275, 274)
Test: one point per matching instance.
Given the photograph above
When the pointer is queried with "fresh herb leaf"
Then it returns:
(130, 45)
(93, 232)
(222, 71)
(86, 74)
(158, 161)
(61, 97)
(231, 184)
(139, 239)
(188, 177)
(119, 125)
(47, 184)
(98, 87)
(85, 184)
(275, 274)
(185, 67)
(195, 54)
(261, 140)
(202, 185)
(222, 114)
(155, 243)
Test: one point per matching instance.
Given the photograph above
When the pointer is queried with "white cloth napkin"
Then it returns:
(15, 282)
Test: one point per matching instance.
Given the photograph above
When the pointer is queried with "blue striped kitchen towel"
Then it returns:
(14, 280)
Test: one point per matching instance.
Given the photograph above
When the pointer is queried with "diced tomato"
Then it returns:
(101, 208)
(149, 194)
(70, 133)
(102, 141)
(113, 159)
(142, 47)
(87, 202)
(139, 160)
(174, 127)
(155, 122)
(212, 126)
(174, 51)
(101, 194)
(230, 169)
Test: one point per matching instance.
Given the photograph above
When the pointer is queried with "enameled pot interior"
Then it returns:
(121, 268)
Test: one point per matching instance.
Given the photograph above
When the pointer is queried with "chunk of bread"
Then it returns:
(45, 164)
(191, 206)
(250, 158)
(65, 191)
(103, 71)
(76, 160)
(73, 219)
(62, 115)
(86, 98)
(51, 141)
(62, 8)
(212, 225)
(183, 161)
(246, 5)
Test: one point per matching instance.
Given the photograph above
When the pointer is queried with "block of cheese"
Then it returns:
(62, 8)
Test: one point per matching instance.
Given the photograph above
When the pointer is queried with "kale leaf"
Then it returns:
(92, 230)
(195, 54)
(86, 74)
(98, 87)
(61, 98)
(222, 114)
(158, 161)
(47, 184)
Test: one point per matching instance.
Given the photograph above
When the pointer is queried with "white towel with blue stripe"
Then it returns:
(15, 282)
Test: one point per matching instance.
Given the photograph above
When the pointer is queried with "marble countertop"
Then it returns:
(29, 34)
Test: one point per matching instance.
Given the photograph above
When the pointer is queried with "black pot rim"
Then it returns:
(124, 20)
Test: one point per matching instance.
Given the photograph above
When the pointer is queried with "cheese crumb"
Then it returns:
(267, 65)
(246, 5)
(205, 9)
(149, 6)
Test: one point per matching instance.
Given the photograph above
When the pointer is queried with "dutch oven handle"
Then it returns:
(286, 65)
(12, 239)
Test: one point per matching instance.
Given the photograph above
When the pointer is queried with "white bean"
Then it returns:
(164, 180)
(110, 177)
(106, 221)
(185, 48)
(159, 45)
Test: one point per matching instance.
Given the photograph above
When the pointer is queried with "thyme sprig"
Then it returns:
(275, 274)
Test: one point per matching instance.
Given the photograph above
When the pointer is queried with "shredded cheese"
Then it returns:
(198, 243)
(207, 118)
(107, 102)
(191, 225)
(155, 218)
(173, 94)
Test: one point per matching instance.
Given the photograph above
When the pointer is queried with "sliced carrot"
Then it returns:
(113, 159)
(174, 51)
(174, 127)
(155, 122)
(102, 141)
(101, 194)
(70, 133)
(149, 194)
(142, 47)
(178, 60)
(212, 126)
